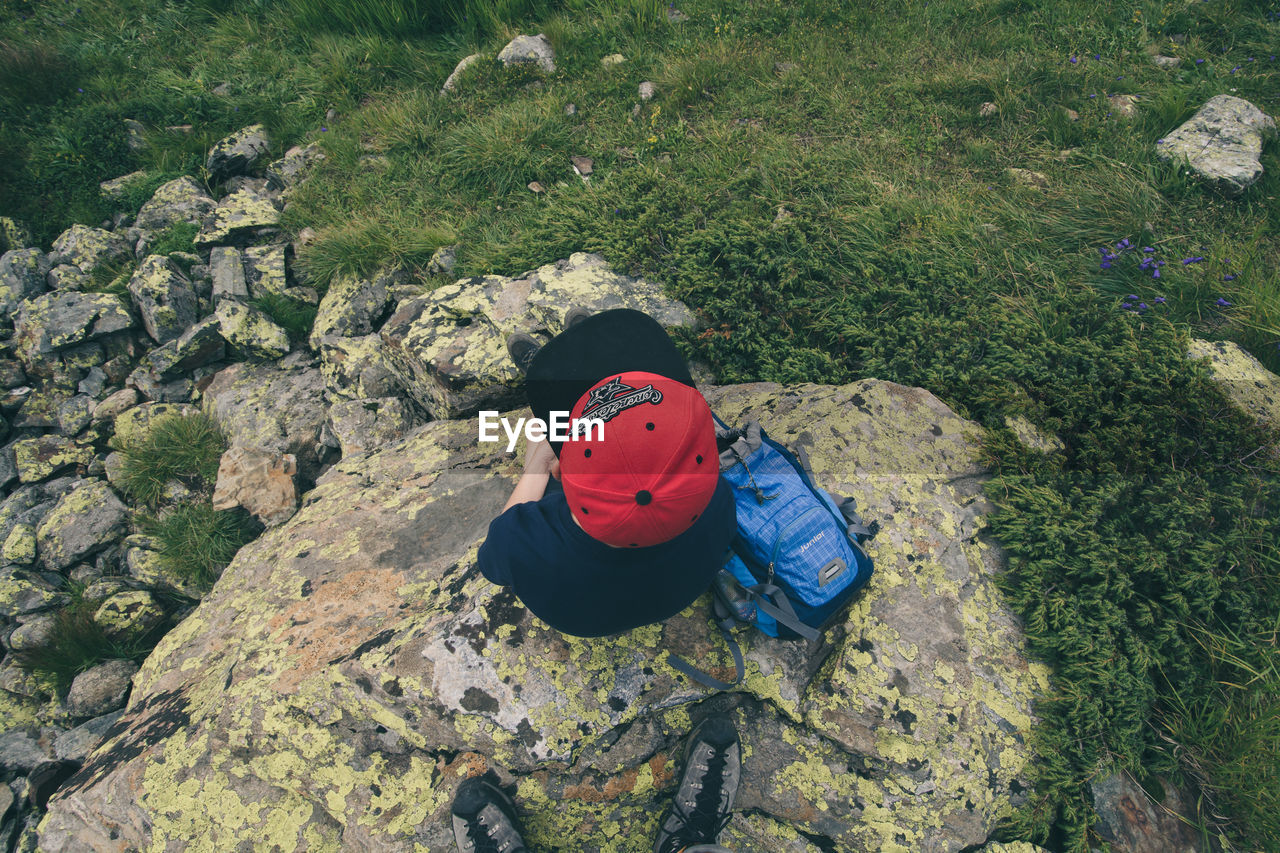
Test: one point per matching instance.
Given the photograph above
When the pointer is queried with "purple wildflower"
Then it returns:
(1148, 249)
(1186, 262)
(1155, 273)
(1132, 296)
(1143, 306)
(1159, 300)
(1228, 278)
(1222, 303)
(1199, 62)
(1097, 56)
(324, 130)
(1073, 60)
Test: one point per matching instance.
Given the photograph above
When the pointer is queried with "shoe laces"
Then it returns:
(704, 822)
(480, 834)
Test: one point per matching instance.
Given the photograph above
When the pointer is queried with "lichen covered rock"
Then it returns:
(180, 200)
(243, 210)
(356, 368)
(354, 306)
(251, 331)
(87, 247)
(448, 347)
(55, 321)
(1222, 143)
(22, 276)
(352, 666)
(82, 523)
(41, 457)
(1243, 378)
(240, 153)
(165, 298)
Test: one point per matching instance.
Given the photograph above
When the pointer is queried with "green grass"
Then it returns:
(197, 542)
(81, 644)
(293, 316)
(850, 216)
(176, 447)
(1230, 745)
(176, 238)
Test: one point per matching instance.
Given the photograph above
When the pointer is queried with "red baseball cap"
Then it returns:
(648, 470)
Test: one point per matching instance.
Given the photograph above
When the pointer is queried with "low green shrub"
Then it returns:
(293, 316)
(176, 447)
(80, 644)
(179, 237)
(1228, 741)
(197, 542)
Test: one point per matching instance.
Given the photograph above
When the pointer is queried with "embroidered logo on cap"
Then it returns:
(613, 397)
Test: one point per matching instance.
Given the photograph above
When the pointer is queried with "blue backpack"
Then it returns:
(797, 558)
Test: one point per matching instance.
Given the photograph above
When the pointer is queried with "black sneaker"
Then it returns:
(708, 784)
(484, 819)
(523, 347)
(575, 316)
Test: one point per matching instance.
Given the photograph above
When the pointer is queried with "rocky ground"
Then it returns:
(351, 666)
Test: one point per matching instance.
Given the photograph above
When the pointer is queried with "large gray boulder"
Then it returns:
(272, 409)
(87, 247)
(240, 153)
(1222, 143)
(351, 666)
(58, 321)
(180, 200)
(165, 298)
(22, 276)
(448, 347)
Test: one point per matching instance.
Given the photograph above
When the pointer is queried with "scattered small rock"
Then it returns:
(782, 69)
(988, 109)
(582, 166)
(1222, 143)
(570, 109)
(1027, 177)
(529, 50)
(1125, 106)
(613, 59)
(647, 91)
(1167, 62)
(102, 689)
(536, 187)
(452, 82)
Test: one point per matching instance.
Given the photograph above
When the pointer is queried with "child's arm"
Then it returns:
(540, 464)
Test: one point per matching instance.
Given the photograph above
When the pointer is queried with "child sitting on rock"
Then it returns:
(643, 520)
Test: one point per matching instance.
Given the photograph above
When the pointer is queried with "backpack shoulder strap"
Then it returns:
(703, 678)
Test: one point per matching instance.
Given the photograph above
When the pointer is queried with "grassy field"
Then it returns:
(821, 183)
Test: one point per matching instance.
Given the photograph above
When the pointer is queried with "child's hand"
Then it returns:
(539, 458)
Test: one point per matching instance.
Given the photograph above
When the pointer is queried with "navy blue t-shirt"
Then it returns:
(583, 587)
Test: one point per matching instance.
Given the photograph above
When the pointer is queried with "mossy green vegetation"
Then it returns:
(822, 184)
(175, 447)
(197, 542)
(293, 316)
(80, 643)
